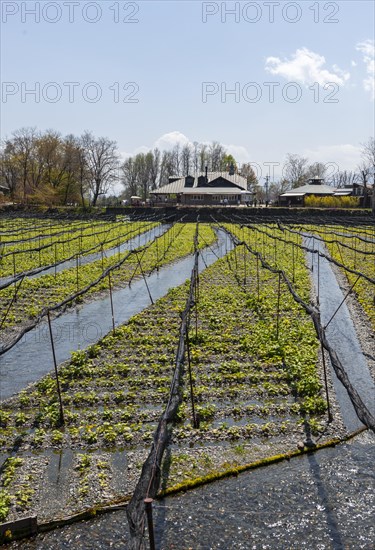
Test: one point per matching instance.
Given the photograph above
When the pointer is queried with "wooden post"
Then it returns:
(110, 295)
(196, 305)
(278, 307)
(343, 300)
(195, 423)
(318, 292)
(293, 258)
(244, 264)
(14, 275)
(56, 373)
(330, 418)
(148, 506)
(144, 278)
(77, 273)
(55, 261)
(235, 258)
(274, 247)
(157, 253)
(13, 301)
(263, 246)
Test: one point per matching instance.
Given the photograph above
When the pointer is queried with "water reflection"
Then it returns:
(31, 357)
(319, 501)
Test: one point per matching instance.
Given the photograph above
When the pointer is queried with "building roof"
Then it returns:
(216, 191)
(236, 185)
(342, 192)
(310, 189)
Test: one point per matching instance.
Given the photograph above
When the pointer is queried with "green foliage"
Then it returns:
(331, 202)
(4, 504)
(10, 470)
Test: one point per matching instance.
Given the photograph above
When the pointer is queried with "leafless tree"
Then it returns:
(186, 159)
(176, 154)
(166, 167)
(24, 149)
(196, 152)
(295, 170)
(368, 155)
(76, 173)
(154, 167)
(316, 170)
(10, 174)
(142, 165)
(278, 188)
(102, 162)
(203, 157)
(344, 178)
(216, 155)
(129, 177)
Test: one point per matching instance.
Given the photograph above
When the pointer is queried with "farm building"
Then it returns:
(357, 190)
(316, 187)
(205, 189)
(296, 196)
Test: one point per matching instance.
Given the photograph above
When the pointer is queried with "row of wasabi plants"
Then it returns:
(358, 255)
(353, 247)
(254, 375)
(53, 247)
(45, 291)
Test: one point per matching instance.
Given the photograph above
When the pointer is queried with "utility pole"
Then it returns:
(267, 178)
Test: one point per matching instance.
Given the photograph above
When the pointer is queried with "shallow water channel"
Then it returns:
(321, 500)
(31, 357)
(135, 242)
(341, 336)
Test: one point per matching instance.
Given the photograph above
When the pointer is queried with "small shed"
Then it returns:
(296, 196)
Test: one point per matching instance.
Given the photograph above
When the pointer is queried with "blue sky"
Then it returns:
(318, 57)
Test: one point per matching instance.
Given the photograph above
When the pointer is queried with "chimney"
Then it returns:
(231, 169)
(206, 174)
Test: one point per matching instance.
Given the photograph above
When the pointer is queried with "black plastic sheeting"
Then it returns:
(342, 338)
(31, 357)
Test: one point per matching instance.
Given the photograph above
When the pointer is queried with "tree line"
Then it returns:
(51, 169)
(47, 168)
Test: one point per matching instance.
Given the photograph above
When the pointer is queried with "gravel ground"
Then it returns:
(315, 502)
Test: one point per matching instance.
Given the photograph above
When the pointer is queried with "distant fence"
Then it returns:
(253, 214)
(190, 213)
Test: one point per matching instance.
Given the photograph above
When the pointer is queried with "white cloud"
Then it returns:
(367, 48)
(165, 142)
(306, 67)
(239, 152)
(168, 141)
(353, 63)
(337, 157)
